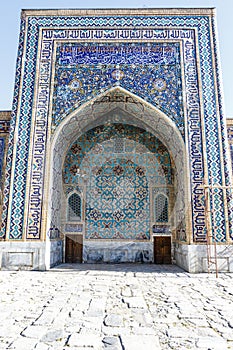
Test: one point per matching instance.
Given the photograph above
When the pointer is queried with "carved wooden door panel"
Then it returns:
(73, 251)
(162, 250)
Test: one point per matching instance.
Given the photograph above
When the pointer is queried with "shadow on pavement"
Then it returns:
(123, 267)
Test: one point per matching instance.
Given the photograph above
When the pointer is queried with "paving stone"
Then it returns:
(143, 330)
(9, 330)
(197, 322)
(85, 340)
(23, 344)
(126, 292)
(212, 343)
(135, 302)
(115, 331)
(135, 342)
(74, 328)
(34, 332)
(45, 318)
(53, 335)
(5, 344)
(178, 332)
(114, 320)
(192, 314)
(169, 319)
(206, 332)
(132, 303)
(112, 343)
(96, 308)
(94, 323)
(228, 335)
(42, 346)
(111, 340)
(86, 330)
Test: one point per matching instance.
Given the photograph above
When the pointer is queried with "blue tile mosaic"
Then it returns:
(21, 187)
(159, 28)
(83, 71)
(2, 153)
(121, 163)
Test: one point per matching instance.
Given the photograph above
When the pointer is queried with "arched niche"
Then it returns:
(116, 106)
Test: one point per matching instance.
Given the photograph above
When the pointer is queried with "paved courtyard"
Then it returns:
(115, 307)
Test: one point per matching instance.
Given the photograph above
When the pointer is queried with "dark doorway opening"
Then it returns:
(74, 249)
(162, 250)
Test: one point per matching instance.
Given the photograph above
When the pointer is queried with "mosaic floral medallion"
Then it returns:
(160, 84)
(120, 162)
(75, 84)
(117, 74)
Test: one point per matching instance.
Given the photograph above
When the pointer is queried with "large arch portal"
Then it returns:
(118, 154)
(117, 133)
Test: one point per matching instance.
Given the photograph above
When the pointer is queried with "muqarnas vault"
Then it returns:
(116, 135)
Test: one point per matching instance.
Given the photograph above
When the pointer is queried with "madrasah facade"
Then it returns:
(117, 149)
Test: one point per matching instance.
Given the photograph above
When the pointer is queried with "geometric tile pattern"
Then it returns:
(4, 126)
(2, 152)
(118, 202)
(214, 123)
(121, 163)
(9, 160)
(21, 160)
(203, 103)
(230, 140)
(229, 192)
(138, 142)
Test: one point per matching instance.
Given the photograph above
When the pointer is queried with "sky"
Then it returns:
(10, 22)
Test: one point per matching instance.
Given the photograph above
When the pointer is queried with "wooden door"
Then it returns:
(162, 250)
(74, 250)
